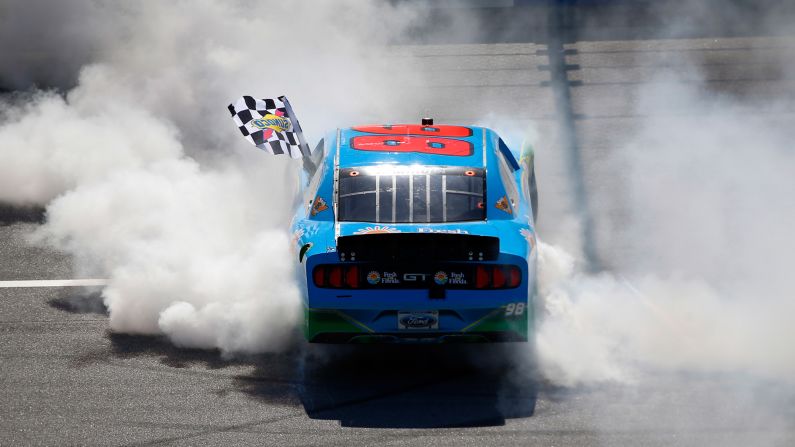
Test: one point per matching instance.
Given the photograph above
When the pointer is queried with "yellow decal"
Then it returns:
(270, 121)
(319, 205)
(502, 204)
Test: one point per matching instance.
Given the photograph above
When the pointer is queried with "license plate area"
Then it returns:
(424, 320)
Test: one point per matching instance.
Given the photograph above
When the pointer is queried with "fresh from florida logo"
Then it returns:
(390, 278)
(373, 277)
(458, 278)
(442, 230)
(440, 278)
(270, 121)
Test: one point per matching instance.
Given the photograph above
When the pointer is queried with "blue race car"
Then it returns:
(417, 233)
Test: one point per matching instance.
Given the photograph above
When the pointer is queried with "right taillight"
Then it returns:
(498, 277)
(488, 276)
(514, 276)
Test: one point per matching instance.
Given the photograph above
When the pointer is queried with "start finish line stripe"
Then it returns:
(54, 283)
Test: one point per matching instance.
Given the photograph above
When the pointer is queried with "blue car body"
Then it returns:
(417, 233)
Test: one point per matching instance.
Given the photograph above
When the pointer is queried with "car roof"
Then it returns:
(441, 145)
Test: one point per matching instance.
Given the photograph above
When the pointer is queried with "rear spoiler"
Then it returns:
(413, 247)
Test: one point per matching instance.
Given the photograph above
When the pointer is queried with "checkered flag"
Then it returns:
(270, 126)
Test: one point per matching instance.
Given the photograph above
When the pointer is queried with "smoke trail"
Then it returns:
(700, 278)
(143, 175)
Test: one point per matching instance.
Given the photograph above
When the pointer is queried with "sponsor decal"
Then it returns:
(390, 278)
(440, 278)
(530, 236)
(331, 249)
(270, 121)
(503, 205)
(373, 277)
(319, 205)
(418, 320)
(414, 276)
(514, 309)
(458, 278)
(377, 229)
(442, 230)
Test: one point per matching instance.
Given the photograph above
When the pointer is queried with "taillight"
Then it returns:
(467, 276)
(352, 276)
(336, 276)
(514, 276)
(481, 277)
(497, 276)
(498, 280)
(319, 275)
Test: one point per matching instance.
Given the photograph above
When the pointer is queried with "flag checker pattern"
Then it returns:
(247, 109)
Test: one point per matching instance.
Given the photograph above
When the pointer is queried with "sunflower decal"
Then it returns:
(377, 229)
(373, 277)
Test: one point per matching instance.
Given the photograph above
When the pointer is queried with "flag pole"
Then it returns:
(309, 164)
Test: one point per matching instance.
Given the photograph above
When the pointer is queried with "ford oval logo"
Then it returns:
(418, 321)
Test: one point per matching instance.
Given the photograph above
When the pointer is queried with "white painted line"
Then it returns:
(54, 283)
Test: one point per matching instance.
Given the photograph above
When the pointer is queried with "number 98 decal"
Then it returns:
(515, 309)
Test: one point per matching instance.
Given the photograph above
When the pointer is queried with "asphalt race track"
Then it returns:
(66, 380)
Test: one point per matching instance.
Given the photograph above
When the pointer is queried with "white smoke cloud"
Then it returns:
(145, 178)
(145, 181)
(52, 144)
(701, 281)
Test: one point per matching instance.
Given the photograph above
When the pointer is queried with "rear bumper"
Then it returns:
(421, 338)
(350, 326)
(371, 313)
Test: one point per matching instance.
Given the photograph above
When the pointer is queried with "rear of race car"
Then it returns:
(418, 287)
(409, 237)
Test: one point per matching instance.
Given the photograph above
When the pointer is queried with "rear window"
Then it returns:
(411, 194)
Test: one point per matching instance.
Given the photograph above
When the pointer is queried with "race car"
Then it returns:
(417, 233)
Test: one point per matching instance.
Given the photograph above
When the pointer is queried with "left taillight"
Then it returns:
(336, 276)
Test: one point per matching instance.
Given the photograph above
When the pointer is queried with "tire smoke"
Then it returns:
(144, 177)
(146, 182)
(699, 255)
